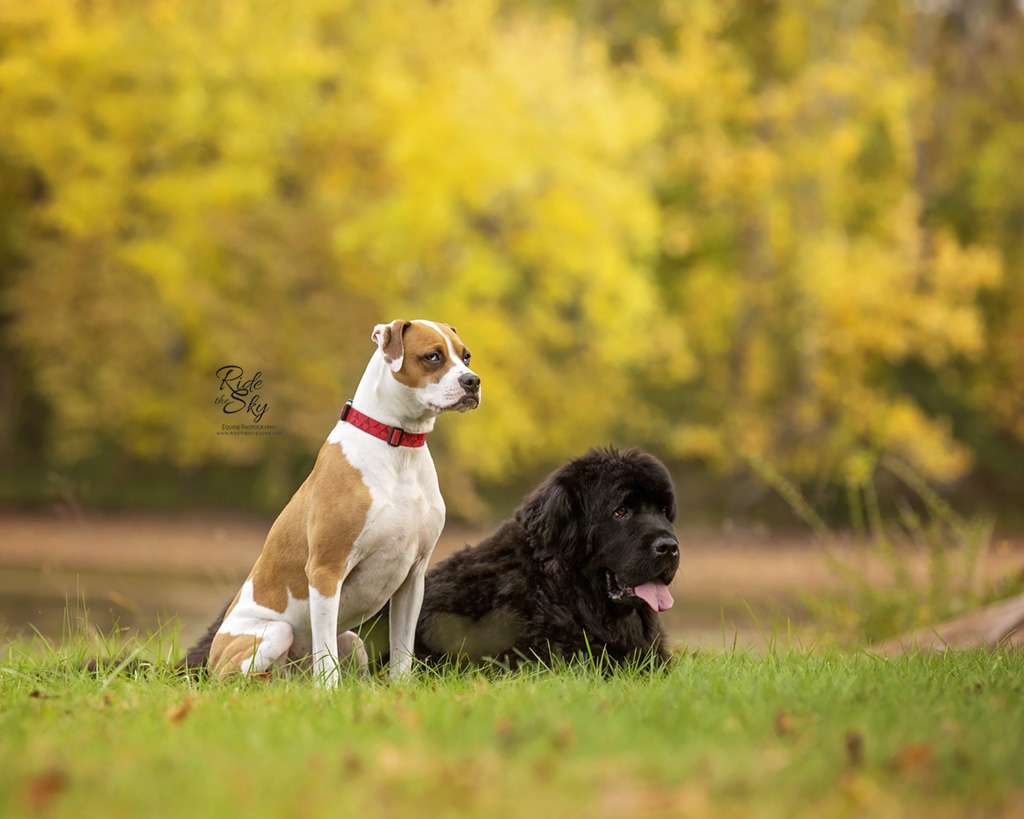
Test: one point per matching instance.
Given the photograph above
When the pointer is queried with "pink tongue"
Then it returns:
(656, 595)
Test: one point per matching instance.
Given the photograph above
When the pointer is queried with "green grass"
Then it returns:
(719, 735)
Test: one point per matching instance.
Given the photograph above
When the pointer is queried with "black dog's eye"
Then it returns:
(664, 511)
(621, 512)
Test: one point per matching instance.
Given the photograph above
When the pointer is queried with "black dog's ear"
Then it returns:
(550, 518)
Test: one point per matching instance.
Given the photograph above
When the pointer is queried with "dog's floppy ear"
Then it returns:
(389, 338)
(550, 518)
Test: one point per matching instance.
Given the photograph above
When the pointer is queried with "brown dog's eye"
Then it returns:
(621, 512)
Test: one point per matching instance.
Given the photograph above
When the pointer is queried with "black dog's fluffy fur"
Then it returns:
(558, 578)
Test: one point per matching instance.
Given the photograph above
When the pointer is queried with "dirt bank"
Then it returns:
(143, 570)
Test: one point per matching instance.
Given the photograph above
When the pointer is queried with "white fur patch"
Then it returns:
(323, 624)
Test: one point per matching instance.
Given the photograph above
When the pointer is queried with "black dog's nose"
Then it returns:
(470, 381)
(666, 545)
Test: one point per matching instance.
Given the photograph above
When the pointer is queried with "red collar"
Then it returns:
(395, 436)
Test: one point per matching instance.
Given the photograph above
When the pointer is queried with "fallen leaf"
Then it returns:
(911, 757)
(261, 676)
(504, 725)
(41, 790)
(564, 738)
(784, 723)
(176, 713)
(39, 695)
(507, 733)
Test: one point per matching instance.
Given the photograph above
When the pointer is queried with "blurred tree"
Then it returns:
(514, 208)
(972, 149)
(720, 229)
(166, 238)
(795, 248)
(259, 183)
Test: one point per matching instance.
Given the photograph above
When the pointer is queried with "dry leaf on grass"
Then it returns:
(911, 757)
(42, 789)
(784, 723)
(176, 713)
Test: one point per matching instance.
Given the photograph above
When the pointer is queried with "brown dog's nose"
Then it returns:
(470, 381)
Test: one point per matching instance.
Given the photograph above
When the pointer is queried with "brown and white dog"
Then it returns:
(361, 528)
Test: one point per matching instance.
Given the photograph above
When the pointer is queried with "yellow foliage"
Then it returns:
(715, 244)
(923, 442)
(262, 182)
(830, 276)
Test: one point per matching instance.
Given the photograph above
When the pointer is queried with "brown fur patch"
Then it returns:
(453, 335)
(280, 568)
(339, 505)
(311, 539)
(229, 651)
(391, 340)
(420, 340)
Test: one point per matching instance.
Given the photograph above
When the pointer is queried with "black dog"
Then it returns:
(581, 569)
